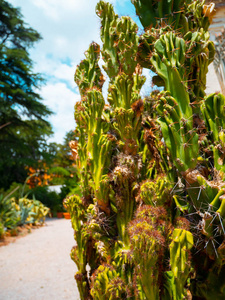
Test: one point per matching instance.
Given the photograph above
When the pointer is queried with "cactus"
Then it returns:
(150, 220)
(182, 242)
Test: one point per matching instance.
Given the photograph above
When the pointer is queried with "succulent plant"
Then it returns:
(150, 221)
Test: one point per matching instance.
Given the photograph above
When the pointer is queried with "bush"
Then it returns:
(8, 214)
(49, 198)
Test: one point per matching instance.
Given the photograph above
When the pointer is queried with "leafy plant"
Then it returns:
(8, 215)
(2, 231)
(150, 218)
(14, 213)
(29, 211)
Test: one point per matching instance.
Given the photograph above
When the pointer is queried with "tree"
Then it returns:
(23, 127)
(63, 156)
(56, 167)
(150, 221)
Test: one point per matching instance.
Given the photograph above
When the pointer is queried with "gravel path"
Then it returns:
(38, 265)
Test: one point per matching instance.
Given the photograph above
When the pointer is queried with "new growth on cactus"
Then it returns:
(150, 222)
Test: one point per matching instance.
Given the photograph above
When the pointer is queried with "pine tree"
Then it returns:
(23, 125)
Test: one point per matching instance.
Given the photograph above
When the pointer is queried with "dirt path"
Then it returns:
(38, 266)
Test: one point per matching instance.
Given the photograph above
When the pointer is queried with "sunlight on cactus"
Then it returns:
(150, 222)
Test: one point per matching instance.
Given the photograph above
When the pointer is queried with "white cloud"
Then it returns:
(68, 32)
(65, 72)
(55, 8)
(56, 70)
(67, 28)
(61, 100)
(61, 42)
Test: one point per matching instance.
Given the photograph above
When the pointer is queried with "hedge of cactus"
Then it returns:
(150, 222)
(18, 212)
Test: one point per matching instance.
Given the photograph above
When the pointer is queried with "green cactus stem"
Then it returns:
(147, 245)
(88, 74)
(152, 12)
(107, 284)
(150, 221)
(182, 242)
(120, 41)
(213, 110)
(177, 128)
(79, 252)
(156, 192)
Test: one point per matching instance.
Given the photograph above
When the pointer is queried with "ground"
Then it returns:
(38, 266)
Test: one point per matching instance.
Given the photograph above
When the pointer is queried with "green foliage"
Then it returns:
(147, 244)
(59, 167)
(8, 215)
(214, 117)
(149, 217)
(175, 280)
(29, 211)
(49, 198)
(120, 41)
(178, 131)
(17, 212)
(107, 284)
(150, 12)
(156, 192)
(60, 172)
(2, 231)
(16, 190)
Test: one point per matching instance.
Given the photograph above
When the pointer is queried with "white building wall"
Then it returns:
(212, 83)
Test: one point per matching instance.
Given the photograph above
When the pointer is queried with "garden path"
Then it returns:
(38, 265)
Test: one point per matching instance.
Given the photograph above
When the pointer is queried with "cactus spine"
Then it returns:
(150, 221)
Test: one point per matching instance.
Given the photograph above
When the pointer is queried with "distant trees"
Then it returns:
(63, 169)
(57, 167)
(60, 169)
(23, 125)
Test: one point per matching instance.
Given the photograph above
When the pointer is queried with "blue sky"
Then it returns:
(67, 28)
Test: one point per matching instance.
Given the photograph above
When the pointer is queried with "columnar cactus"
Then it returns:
(150, 221)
